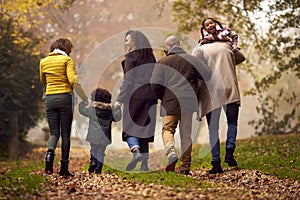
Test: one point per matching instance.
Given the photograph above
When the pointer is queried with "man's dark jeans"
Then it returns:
(213, 118)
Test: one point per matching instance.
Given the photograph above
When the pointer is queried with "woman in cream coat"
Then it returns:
(221, 91)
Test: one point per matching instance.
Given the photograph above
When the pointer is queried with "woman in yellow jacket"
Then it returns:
(58, 73)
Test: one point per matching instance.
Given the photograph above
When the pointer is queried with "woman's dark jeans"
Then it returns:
(213, 118)
(59, 111)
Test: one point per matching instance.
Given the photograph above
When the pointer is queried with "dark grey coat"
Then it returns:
(100, 116)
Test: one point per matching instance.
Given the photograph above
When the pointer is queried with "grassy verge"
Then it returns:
(162, 178)
(276, 155)
(17, 179)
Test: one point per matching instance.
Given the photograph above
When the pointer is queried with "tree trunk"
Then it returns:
(13, 146)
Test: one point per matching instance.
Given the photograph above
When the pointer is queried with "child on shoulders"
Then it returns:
(212, 30)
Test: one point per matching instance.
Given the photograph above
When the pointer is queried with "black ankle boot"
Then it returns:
(137, 157)
(64, 168)
(92, 167)
(98, 169)
(49, 161)
(144, 165)
(216, 169)
(229, 158)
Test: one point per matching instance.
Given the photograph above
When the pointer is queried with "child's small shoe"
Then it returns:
(98, 171)
(92, 167)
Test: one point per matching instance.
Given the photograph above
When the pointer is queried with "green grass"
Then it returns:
(277, 155)
(17, 179)
(161, 178)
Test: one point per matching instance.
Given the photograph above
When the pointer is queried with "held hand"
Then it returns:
(117, 104)
(234, 47)
(86, 102)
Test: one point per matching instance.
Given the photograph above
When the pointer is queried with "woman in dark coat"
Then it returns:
(139, 102)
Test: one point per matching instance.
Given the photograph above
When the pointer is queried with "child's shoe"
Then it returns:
(98, 169)
(92, 167)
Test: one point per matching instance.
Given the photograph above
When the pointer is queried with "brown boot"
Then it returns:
(170, 151)
(171, 163)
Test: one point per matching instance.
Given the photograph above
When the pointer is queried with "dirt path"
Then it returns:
(233, 184)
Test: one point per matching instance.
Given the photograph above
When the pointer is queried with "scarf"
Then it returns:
(59, 52)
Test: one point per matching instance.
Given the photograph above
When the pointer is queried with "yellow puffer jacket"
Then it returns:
(58, 73)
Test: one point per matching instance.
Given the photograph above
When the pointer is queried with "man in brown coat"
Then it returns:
(174, 82)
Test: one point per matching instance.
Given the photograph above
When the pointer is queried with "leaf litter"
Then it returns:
(234, 183)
